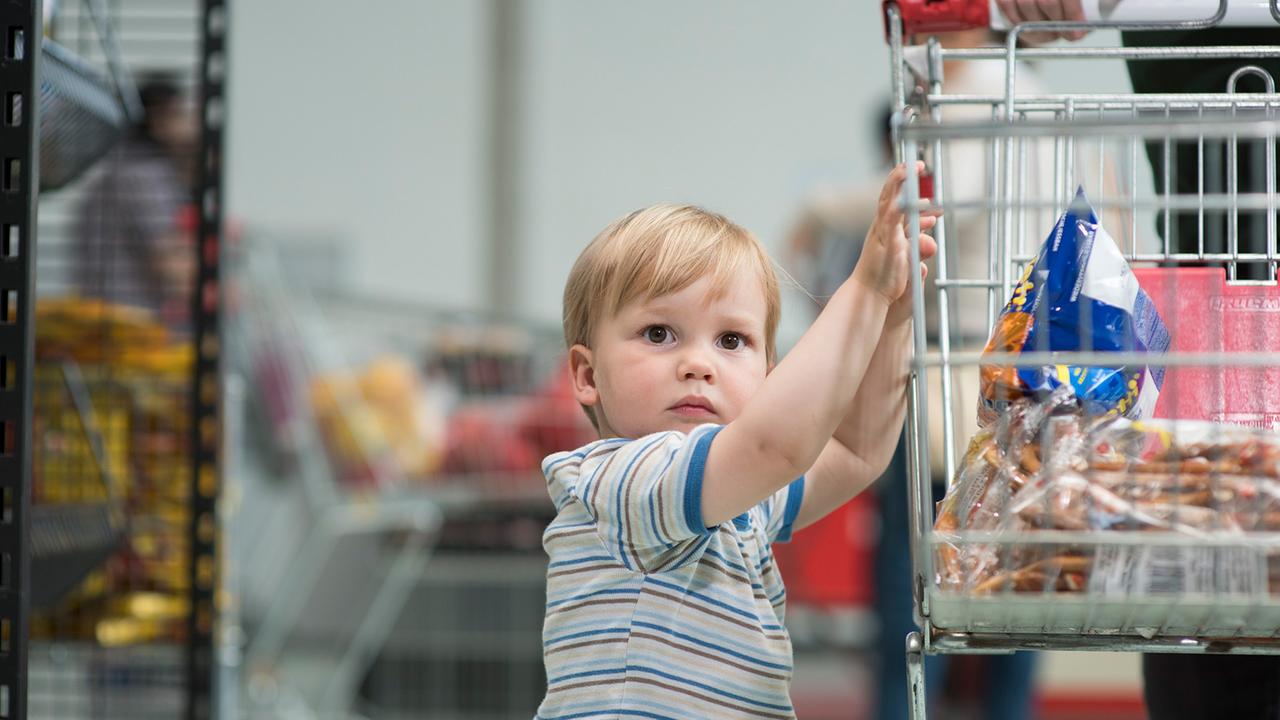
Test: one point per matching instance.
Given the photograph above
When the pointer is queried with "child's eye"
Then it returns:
(657, 334)
(732, 341)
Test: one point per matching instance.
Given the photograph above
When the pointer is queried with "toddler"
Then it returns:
(663, 600)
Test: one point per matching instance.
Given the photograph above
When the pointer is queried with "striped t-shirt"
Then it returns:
(649, 613)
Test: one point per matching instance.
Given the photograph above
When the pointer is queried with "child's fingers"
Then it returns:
(928, 246)
(928, 221)
(890, 200)
(889, 190)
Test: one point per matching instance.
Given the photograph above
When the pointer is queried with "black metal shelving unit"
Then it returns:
(206, 382)
(110, 462)
(20, 22)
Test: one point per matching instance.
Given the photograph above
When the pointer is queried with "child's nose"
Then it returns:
(694, 365)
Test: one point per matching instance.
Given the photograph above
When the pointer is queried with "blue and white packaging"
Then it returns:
(1079, 295)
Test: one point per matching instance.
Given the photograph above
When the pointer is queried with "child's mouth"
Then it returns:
(687, 410)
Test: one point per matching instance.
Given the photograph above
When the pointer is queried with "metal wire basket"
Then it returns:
(1202, 582)
(82, 111)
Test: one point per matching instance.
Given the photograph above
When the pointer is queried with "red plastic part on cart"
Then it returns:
(934, 16)
(1205, 314)
(926, 185)
(829, 563)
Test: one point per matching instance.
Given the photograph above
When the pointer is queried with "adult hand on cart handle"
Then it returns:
(885, 264)
(1020, 11)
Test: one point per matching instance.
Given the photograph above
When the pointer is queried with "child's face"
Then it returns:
(675, 362)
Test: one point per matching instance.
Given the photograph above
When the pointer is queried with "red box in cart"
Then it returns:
(1206, 314)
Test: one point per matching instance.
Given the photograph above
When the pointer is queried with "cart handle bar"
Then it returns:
(936, 16)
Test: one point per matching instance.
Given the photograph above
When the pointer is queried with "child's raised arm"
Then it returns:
(784, 428)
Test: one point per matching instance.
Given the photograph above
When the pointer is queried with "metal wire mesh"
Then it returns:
(1186, 186)
(113, 393)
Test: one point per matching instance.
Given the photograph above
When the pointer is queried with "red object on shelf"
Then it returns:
(1204, 314)
(934, 16)
(553, 420)
(830, 563)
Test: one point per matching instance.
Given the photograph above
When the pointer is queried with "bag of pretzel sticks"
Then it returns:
(1204, 484)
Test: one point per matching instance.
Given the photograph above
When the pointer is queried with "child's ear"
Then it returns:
(583, 375)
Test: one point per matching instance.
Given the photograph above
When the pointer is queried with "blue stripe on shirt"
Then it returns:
(711, 646)
(795, 496)
(584, 596)
(585, 673)
(585, 633)
(705, 598)
(708, 688)
(653, 507)
(693, 486)
(606, 713)
(622, 482)
(694, 550)
(736, 566)
(581, 560)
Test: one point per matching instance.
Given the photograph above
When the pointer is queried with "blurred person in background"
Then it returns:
(1184, 686)
(134, 232)
(824, 243)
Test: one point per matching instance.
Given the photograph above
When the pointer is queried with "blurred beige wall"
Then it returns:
(370, 122)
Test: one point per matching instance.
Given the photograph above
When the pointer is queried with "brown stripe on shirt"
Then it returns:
(589, 683)
(709, 699)
(603, 471)
(588, 603)
(713, 613)
(710, 656)
(626, 501)
(712, 563)
(569, 533)
(588, 568)
(587, 643)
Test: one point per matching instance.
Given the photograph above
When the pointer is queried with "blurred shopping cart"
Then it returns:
(1187, 562)
(404, 431)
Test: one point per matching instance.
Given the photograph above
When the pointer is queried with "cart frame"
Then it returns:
(950, 623)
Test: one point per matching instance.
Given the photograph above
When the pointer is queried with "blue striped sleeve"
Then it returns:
(790, 498)
(644, 495)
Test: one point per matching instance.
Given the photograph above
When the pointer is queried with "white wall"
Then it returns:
(365, 121)
(373, 125)
(740, 107)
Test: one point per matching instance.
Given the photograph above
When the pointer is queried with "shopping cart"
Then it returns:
(1206, 255)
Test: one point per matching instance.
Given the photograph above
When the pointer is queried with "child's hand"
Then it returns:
(885, 264)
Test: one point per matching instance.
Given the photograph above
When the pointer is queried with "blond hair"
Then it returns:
(658, 250)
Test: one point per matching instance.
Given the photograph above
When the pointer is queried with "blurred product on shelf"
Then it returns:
(484, 438)
(471, 414)
(485, 358)
(381, 415)
(93, 331)
(513, 434)
(111, 429)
